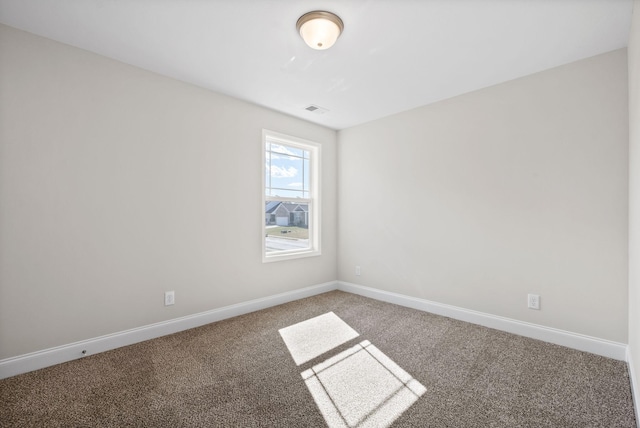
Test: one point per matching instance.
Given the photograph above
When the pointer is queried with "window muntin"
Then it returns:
(290, 197)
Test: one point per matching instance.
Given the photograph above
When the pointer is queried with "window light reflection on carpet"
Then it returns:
(359, 387)
(309, 339)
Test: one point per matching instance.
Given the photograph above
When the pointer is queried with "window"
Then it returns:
(291, 221)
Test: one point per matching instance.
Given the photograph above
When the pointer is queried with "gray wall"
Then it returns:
(634, 195)
(480, 199)
(116, 184)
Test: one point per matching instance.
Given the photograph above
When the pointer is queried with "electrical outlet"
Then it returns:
(533, 301)
(169, 298)
(358, 270)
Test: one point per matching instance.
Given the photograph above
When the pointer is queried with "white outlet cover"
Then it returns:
(169, 298)
(533, 301)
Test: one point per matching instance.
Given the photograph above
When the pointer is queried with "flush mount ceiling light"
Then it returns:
(320, 29)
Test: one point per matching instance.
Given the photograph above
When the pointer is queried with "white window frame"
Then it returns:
(314, 199)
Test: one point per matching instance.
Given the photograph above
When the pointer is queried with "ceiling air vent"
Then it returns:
(316, 109)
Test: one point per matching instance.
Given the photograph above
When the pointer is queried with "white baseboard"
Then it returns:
(635, 392)
(60, 354)
(577, 341)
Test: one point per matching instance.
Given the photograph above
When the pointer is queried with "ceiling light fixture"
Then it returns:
(320, 29)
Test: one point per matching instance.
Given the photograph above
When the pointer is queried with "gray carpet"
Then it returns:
(239, 372)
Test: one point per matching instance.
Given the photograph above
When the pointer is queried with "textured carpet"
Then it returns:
(239, 372)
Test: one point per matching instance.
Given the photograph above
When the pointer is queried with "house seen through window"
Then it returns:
(291, 226)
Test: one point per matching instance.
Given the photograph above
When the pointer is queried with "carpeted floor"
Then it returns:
(239, 372)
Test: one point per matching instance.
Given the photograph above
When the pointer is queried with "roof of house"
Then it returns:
(271, 206)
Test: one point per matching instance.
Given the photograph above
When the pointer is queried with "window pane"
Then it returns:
(287, 226)
(287, 171)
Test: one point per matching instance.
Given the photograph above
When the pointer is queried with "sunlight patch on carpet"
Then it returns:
(361, 387)
(309, 339)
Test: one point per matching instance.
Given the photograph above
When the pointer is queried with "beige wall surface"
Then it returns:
(478, 200)
(634, 193)
(117, 184)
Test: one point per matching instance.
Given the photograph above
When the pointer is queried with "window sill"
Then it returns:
(289, 256)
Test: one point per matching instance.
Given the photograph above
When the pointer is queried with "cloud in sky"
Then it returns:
(283, 172)
(276, 148)
(295, 185)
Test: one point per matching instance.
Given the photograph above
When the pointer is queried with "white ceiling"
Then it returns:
(393, 55)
